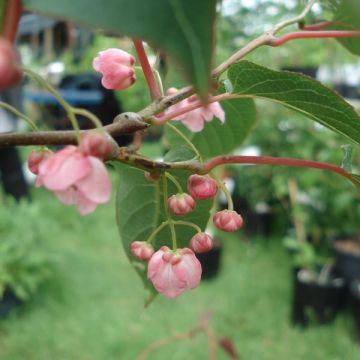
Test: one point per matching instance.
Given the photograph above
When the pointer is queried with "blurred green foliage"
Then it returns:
(25, 263)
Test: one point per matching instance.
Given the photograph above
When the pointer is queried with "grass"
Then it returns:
(93, 308)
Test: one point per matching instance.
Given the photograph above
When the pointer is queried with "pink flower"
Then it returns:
(201, 242)
(36, 158)
(181, 204)
(173, 272)
(75, 178)
(116, 67)
(142, 250)
(202, 187)
(10, 71)
(194, 120)
(95, 144)
(228, 220)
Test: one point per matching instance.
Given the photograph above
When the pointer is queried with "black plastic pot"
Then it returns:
(355, 303)
(347, 260)
(8, 302)
(211, 261)
(316, 302)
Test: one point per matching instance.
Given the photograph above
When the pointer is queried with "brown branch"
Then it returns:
(126, 123)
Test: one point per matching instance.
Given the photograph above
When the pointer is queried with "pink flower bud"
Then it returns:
(174, 272)
(142, 250)
(10, 71)
(94, 144)
(35, 158)
(116, 67)
(228, 220)
(181, 204)
(151, 176)
(202, 187)
(201, 242)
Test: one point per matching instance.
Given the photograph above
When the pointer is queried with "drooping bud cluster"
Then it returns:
(117, 68)
(76, 174)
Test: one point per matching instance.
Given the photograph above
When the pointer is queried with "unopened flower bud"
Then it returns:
(181, 204)
(202, 187)
(116, 67)
(201, 242)
(142, 250)
(228, 220)
(35, 158)
(94, 144)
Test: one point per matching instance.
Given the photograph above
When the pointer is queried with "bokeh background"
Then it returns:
(68, 289)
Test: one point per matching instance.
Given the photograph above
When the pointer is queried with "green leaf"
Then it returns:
(347, 17)
(140, 210)
(136, 212)
(299, 93)
(216, 138)
(184, 29)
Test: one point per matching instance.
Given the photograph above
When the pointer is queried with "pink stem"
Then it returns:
(148, 73)
(195, 105)
(13, 14)
(270, 160)
(313, 35)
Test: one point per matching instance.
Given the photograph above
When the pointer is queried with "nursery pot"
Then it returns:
(315, 301)
(347, 257)
(211, 261)
(355, 302)
(8, 302)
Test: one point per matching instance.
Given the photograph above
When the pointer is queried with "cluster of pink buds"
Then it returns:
(76, 174)
(201, 188)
